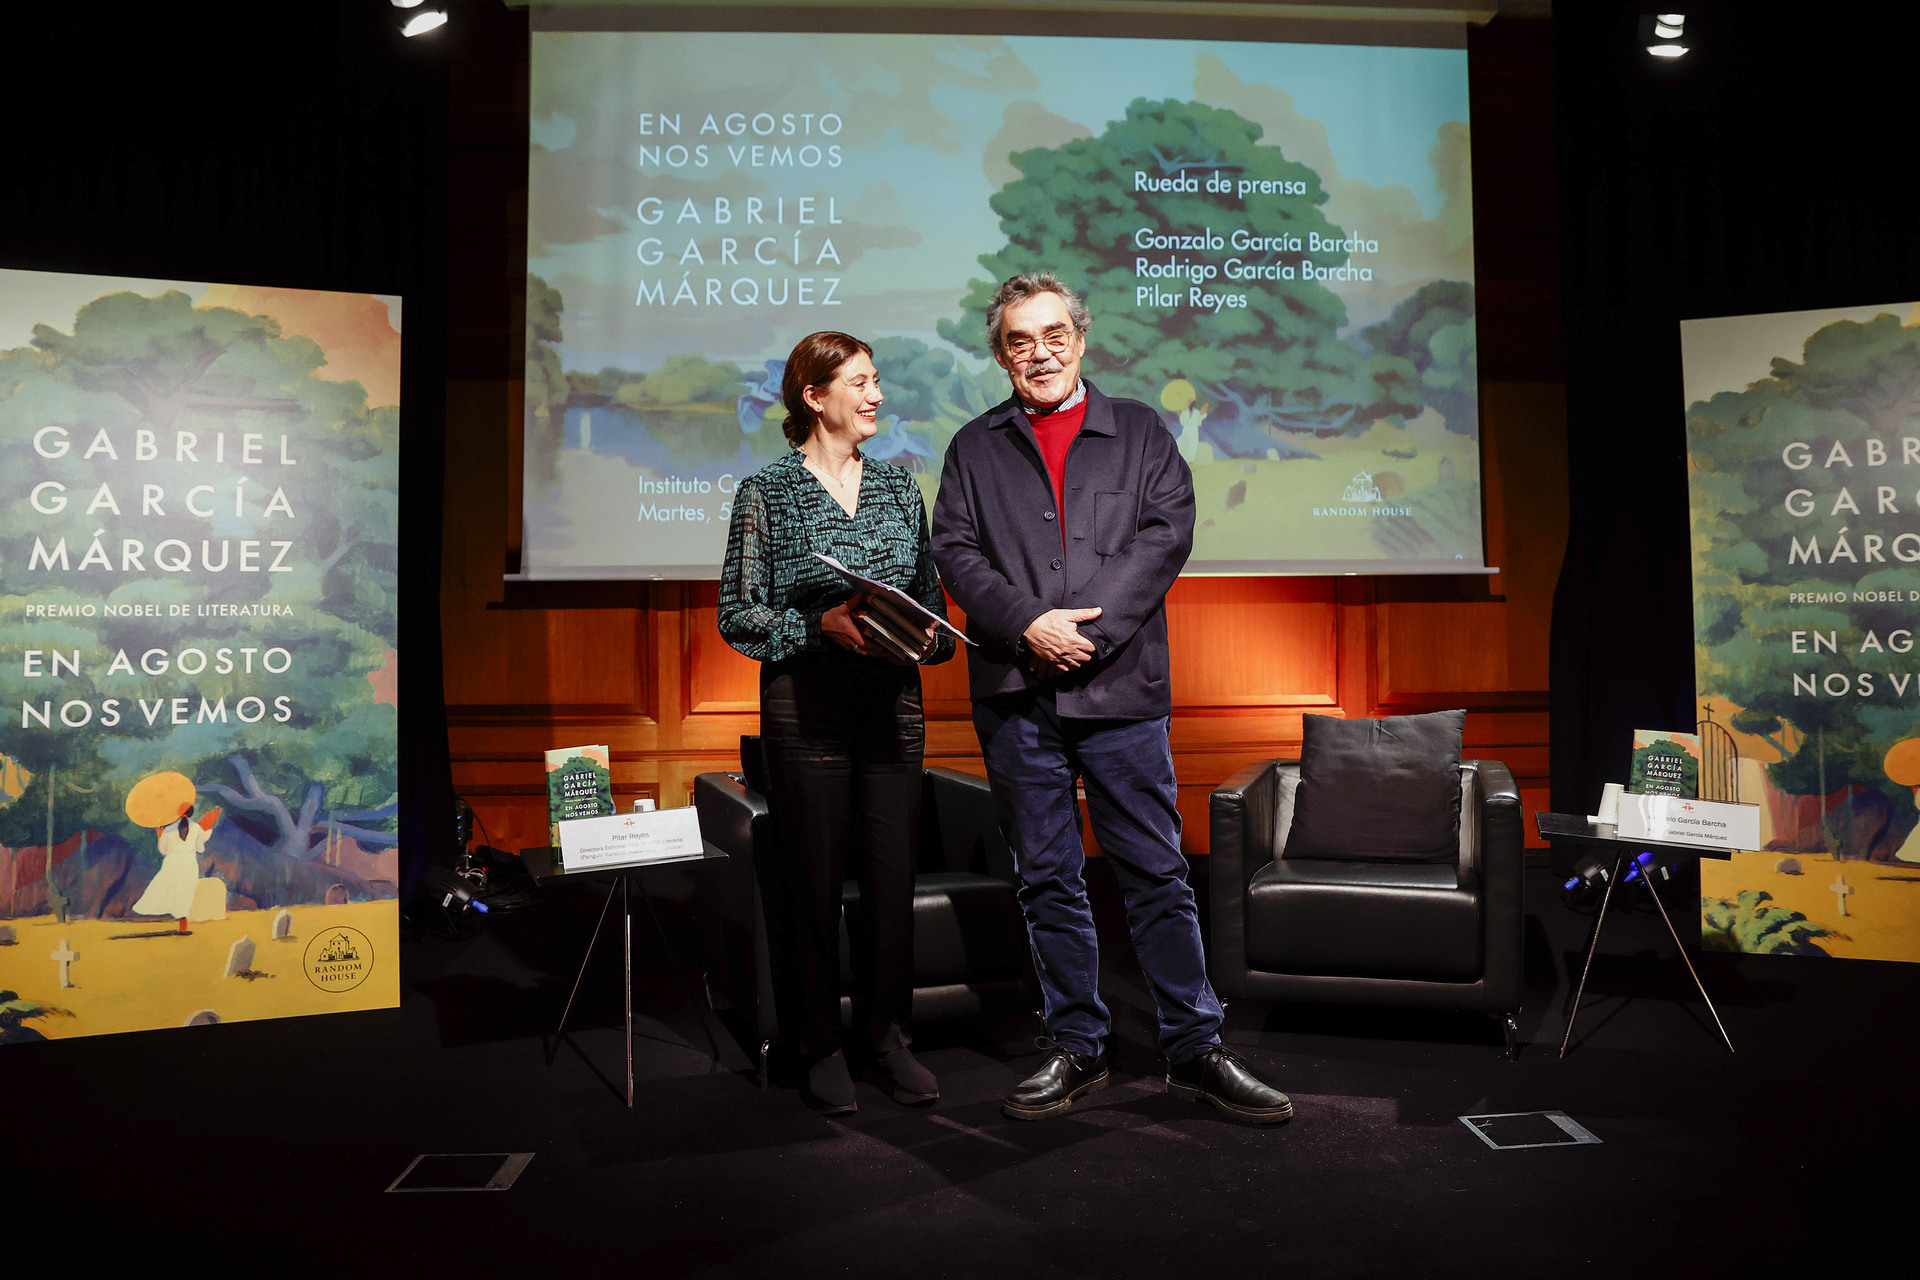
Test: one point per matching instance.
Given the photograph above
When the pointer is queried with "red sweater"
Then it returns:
(1055, 433)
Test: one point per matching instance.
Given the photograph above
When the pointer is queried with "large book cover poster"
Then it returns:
(1803, 438)
(198, 658)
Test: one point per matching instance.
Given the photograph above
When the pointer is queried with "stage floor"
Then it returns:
(269, 1146)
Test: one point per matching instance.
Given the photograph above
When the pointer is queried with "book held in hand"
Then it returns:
(892, 618)
(897, 611)
(891, 632)
(579, 785)
(1665, 764)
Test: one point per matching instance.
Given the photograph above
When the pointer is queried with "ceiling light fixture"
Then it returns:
(421, 23)
(1661, 33)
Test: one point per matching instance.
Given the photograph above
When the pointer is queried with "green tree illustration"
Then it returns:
(1433, 331)
(930, 391)
(1660, 766)
(689, 404)
(14, 1012)
(684, 380)
(1747, 924)
(1278, 363)
(547, 384)
(926, 384)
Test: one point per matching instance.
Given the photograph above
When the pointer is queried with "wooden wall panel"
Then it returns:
(943, 689)
(1253, 642)
(1438, 646)
(593, 658)
(1251, 657)
(719, 677)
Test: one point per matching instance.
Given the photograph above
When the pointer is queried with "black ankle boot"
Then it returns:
(902, 1077)
(829, 1087)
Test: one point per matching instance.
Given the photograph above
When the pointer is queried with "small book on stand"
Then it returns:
(1665, 764)
(579, 785)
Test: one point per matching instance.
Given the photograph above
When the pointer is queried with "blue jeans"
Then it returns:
(1032, 758)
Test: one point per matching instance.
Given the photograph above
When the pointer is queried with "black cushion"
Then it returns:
(1375, 920)
(1379, 790)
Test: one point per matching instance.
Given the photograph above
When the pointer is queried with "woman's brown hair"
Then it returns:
(815, 359)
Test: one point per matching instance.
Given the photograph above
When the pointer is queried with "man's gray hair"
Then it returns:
(1018, 289)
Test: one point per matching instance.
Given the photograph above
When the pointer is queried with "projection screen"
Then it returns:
(1275, 241)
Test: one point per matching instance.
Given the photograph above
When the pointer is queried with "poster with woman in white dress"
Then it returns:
(199, 765)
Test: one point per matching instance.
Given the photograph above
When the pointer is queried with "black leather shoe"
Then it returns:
(1218, 1076)
(829, 1087)
(904, 1079)
(1052, 1089)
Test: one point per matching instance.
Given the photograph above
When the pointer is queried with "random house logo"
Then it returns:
(1362, 489)
(338, 959)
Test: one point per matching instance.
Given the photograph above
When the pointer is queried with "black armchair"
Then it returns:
(970, 950)
(1443, 935)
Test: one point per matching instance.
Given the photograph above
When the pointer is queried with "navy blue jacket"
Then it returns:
(1128, 530)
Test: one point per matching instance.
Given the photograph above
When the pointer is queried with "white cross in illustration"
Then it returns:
(1841, 889)
(66, 955)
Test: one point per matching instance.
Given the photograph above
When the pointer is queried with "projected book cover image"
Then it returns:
(1665, 764)
(579, 785)
(1274, 241)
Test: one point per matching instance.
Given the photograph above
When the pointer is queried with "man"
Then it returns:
(1062, 520)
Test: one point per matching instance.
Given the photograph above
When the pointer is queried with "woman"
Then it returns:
(163, 803)
(840, 721)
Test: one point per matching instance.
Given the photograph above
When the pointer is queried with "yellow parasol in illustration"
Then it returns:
(1180, 397)
(161, 802)
(1902, 766)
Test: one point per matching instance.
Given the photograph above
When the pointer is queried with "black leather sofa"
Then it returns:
(1438, 935)
(970, 949)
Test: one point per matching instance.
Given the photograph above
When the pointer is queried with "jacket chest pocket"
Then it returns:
(1116, 518)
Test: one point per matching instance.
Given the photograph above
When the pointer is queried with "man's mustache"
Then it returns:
(1050, 365)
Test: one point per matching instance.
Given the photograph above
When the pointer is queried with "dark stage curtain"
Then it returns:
(1769, 170)
(299, 145)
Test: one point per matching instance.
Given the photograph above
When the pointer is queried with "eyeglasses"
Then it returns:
(1023, 347)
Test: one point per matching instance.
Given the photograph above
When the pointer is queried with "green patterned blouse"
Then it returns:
(772, 590)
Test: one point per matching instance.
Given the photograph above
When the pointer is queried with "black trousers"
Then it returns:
(845, 739)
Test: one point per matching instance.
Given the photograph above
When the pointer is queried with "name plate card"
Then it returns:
(1711, 824)
(630, 839)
